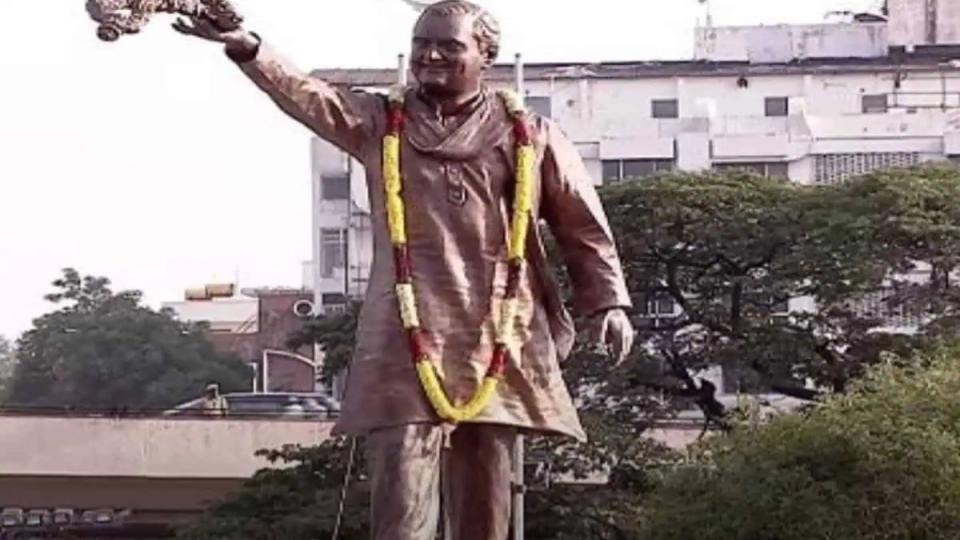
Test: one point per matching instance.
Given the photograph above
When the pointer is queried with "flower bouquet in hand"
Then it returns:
(119, 17)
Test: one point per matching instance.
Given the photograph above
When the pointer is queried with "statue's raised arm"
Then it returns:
(119, 17)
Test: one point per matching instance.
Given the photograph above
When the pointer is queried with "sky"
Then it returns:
(154, 162)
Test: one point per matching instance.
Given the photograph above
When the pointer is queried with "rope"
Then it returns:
(343, 490)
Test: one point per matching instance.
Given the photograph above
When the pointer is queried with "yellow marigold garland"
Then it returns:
(517, 240)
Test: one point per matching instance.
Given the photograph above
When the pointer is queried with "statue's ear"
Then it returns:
(489, 58)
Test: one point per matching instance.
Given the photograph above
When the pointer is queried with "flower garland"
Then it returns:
(406, 297)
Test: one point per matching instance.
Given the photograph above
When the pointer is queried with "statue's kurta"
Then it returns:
(458, 175)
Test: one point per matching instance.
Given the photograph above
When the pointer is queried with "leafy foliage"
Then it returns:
(336, 335)
(103, 350)
(8, 360)
(880, 462)
(730, 250)
(297, 500)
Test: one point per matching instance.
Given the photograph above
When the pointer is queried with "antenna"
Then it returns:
(707, 5)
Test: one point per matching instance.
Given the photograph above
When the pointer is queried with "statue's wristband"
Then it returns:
(244, 54)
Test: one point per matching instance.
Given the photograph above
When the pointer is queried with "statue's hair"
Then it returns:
(485, 25)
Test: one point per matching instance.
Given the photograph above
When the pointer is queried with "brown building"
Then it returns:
(256, 325)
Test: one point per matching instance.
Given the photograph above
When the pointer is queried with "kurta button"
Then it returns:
(456, 192)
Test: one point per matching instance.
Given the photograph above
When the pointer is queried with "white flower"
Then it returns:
(515, 104)
(398, 93)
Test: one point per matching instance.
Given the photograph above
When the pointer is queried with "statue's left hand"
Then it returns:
(612, 329)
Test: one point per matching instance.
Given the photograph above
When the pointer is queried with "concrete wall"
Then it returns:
(144, 500)
(948, 22)
(783, 43)
(145, 448)
(223, 314)
(910, 22)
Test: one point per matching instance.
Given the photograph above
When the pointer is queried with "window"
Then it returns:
(838, 168)
(333, 299)
(541, 105)
(659, 305)
(657, 309)
(884, 307)
(611, 171)
(332, 250)
(780, 306)
(335, 188)
(665, 108)
(874, 103)
(777, 106)
(772, 169)
(616, 170)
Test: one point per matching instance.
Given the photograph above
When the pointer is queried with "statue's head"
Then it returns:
(454, 43)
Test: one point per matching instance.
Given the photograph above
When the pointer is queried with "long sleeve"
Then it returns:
(572, 209)
(346, 119)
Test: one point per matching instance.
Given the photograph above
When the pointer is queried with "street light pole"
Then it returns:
(519, 486)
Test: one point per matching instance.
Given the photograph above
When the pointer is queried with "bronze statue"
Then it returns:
(461, 304)
(119, 17)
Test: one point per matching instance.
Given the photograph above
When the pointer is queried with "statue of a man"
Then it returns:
(459, 167)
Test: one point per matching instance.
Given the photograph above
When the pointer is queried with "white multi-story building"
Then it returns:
(814, 103)
(342, 241)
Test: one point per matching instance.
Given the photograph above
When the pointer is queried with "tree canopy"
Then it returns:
(729, 254)
(881, 461)
(7, 363)
(102, 349)
(732, 251)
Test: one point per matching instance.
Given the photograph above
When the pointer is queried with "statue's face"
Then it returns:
(447, 59)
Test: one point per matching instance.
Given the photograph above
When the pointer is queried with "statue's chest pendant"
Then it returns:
(456, 190)
(457, 195)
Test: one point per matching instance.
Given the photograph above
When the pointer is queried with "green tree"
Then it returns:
(102, 349)
(336, 334)
(880, 462)
(8, 361)
(729, 249)
(299, 499)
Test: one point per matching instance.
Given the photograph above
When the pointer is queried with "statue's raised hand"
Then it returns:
(205, 29)
(237, 40)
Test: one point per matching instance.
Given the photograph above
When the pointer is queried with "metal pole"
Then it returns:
(402, 69)
(521, 86)
(519, 486)
(317, 190)
(347, 229)
(266, 372)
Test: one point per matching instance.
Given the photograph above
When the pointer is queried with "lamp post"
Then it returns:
(519, 487)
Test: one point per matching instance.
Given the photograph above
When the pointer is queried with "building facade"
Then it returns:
(255, 325)
(814, 103)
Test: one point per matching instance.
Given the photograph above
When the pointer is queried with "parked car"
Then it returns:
(268, 404)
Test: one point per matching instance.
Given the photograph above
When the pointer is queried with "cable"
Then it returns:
(343, 490)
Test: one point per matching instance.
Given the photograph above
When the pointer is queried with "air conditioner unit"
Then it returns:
(63, 516)
(11, 517)
(37, 518)
(100, 516)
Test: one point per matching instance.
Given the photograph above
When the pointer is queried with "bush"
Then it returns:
(881, 462)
